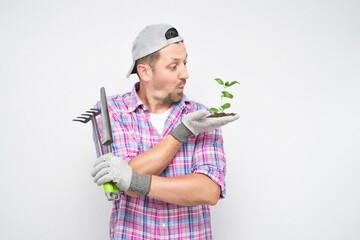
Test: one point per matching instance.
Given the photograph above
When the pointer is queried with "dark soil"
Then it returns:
(215, 115)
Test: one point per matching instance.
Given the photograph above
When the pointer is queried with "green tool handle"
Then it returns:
(111, 187)
(111, 190)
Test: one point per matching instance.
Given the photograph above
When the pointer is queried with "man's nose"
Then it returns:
(184, 73)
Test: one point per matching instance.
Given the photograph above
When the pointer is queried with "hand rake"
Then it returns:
(111, 190)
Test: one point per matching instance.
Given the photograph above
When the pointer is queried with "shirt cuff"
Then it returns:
(214, 175)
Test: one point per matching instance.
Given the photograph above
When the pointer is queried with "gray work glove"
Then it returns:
(196, 122)
(109, 168)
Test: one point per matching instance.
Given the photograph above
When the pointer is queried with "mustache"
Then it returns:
(182, 83)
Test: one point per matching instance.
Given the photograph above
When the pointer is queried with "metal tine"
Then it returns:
(82, 119)
(94, 111)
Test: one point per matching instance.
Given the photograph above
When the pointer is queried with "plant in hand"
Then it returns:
(218, 112)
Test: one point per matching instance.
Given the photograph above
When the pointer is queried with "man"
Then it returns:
(168, 157)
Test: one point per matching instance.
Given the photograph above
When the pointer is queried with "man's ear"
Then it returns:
(144, 71)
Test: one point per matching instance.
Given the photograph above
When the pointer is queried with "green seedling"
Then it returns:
(224, 94)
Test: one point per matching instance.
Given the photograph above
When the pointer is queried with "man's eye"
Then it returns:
(173, 67)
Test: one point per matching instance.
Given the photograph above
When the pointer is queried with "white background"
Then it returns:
(293, 157)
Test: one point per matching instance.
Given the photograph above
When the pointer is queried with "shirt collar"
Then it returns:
(135, 101)
(184, 102)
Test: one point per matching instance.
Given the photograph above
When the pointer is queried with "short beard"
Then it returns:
(174, 98)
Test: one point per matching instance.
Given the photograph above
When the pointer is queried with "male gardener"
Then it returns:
(168, 157)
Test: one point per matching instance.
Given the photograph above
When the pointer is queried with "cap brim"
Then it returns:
(131, 71)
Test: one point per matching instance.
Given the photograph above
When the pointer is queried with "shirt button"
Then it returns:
(163, 225)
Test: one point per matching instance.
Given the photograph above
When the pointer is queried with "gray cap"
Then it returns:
(151, 39)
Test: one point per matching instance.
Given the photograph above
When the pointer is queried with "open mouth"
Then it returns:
(182, 85)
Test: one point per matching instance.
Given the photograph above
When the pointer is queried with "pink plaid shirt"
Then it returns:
(148, 218)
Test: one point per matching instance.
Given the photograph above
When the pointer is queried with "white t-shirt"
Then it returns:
(158, 120)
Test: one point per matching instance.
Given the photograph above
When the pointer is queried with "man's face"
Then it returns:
(170, 73)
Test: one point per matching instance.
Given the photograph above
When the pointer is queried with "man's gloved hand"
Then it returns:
(196, 122)
(109, 168)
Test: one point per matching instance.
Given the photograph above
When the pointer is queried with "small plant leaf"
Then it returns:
(226, 105)
(219, 81)
(214, 110)
(227, 84)
(227, 94)
(232, 83)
